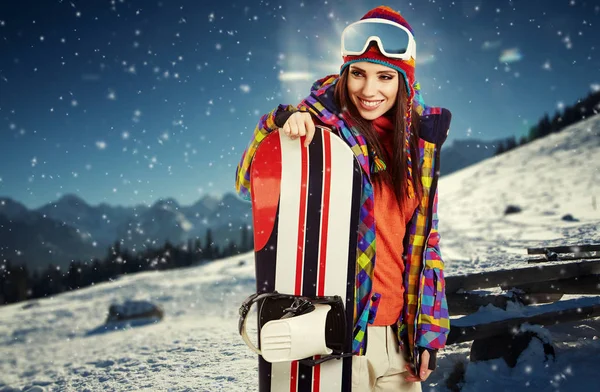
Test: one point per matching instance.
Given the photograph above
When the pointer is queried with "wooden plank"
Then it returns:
(470, 328)
(564, 249)
(521, 276)
(565, 257)
(467, 303)
(588, 284)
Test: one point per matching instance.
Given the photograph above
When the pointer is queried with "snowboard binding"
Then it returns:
(294, 327)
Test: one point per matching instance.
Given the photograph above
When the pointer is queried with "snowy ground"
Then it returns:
(54, 345)
(548, 179)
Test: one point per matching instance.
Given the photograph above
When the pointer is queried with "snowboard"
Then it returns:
(305, 211)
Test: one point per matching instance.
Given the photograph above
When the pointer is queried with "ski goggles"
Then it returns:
(394, 40)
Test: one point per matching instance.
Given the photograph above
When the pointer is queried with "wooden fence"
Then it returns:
(555, 272)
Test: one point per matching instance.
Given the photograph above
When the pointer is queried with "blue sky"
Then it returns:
(126, 102)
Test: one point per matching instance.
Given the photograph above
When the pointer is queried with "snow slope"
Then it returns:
(547, 178)
(55, 344)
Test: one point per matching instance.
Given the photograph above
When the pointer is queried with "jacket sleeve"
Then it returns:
(266, 125)
(435, 320)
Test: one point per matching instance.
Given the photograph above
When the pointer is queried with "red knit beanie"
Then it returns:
(405, 67)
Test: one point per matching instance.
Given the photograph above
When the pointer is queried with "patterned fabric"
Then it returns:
(425, 320)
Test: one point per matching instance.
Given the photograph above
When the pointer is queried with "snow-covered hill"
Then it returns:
(548, 179)
(54, 343)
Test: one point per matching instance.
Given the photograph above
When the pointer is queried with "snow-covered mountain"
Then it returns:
(463, 153)
(98, 223)
(12, 209)
(54, 343)
(71, 229)
(42, 241)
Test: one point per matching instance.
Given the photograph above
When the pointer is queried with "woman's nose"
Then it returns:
(369, 88)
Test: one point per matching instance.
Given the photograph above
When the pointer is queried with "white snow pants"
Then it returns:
(382, 368)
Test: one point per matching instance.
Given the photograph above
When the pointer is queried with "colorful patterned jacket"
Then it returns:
(424, 322)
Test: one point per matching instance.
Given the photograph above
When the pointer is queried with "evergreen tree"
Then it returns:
(556, 124)
(500, 148)
(544, 127)
(245, 243)
(209, 250)
(534, 133)
(73, 279)
(511, 143)
(523, 140)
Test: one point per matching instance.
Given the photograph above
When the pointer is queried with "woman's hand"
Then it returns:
(299, 124)
(424, 372)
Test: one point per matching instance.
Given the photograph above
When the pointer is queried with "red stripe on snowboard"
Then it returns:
(301, 219)
(266, 166)
(294, 373)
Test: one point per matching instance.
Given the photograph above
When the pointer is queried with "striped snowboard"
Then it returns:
(305, 206)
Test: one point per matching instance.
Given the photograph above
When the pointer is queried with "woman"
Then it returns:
(374, 104)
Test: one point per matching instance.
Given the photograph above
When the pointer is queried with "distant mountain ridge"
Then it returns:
(70, 229)
(466, 152)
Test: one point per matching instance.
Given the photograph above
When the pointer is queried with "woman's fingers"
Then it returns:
(424, 372)
(286, 129)
(299, 124)
(310, 129)
(293, 129)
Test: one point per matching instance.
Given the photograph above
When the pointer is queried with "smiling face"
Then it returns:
(372, 88)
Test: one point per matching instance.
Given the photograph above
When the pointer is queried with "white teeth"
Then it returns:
(369, 103)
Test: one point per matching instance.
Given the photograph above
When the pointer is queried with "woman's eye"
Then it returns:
(355, 73)
(386, 77)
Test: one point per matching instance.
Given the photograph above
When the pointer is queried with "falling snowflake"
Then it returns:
(547, 65)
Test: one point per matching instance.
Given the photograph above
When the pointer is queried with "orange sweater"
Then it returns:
(391, 221)
(389, 266)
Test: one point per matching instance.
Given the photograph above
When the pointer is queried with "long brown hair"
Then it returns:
(395, 173)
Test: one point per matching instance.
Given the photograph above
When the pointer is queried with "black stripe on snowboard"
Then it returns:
(265, 264)
(312, 239)
(351, 274)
